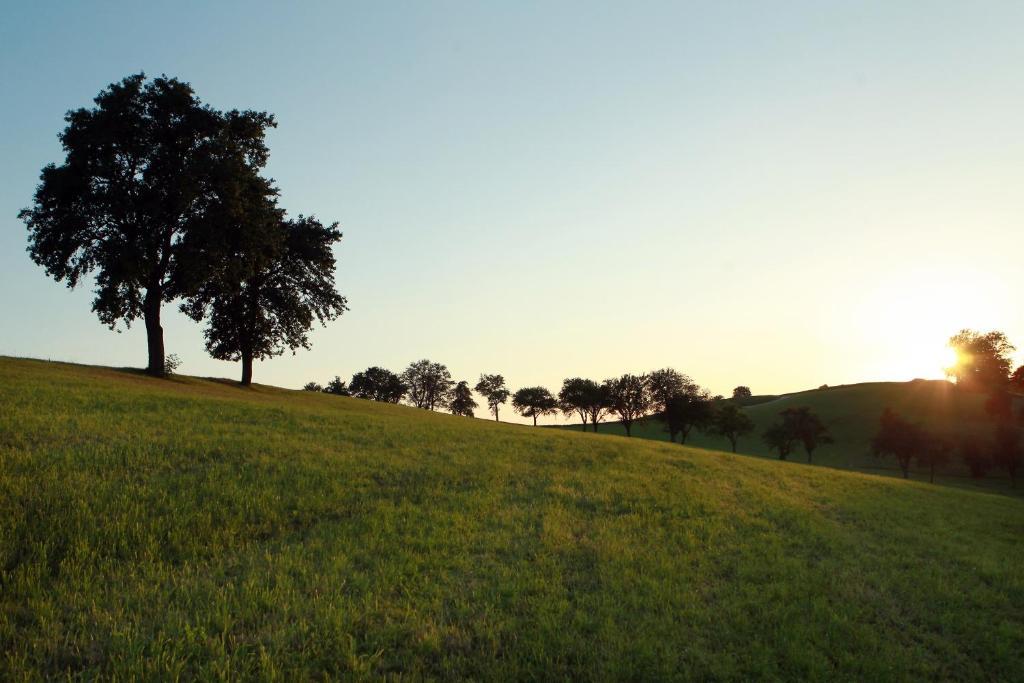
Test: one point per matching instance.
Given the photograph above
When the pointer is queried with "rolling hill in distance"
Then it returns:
(191, 528)
(851, 413)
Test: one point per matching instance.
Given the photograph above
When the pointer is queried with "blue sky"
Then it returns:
(773, 194)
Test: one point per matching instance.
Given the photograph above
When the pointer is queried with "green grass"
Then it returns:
(155, 529)
(851, 413)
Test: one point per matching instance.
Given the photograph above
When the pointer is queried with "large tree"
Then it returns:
(461, 402)
(139, 179)
(534, 402)
(666, 383)
(780, 438)
(629, 397)
(731, 422)
(377, 384)
(982, 360)
(265, 290)
(494, 391)
(429, 384)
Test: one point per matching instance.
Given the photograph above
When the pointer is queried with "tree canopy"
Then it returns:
(429, 384)
(629, 397)
(534, 402)
(462, 402)
(494, 391)
(731, 422)
(378, 384)
(982, 360)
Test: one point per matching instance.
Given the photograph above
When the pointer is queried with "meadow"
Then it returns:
(190, 528)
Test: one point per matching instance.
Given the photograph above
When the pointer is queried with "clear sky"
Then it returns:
(773, 194)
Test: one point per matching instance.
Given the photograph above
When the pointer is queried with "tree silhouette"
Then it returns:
(629, 397)
(808, 427)
(934, 452)
(683, 412)
(377, 384)
(899, 439)
(666, 383)
(575, 397)
(312, 386)
(337, 387)
(534, 402)
(265, 290)
(1006, 451)
(983, 360)
(741, 392)
(731, 422)
(975, 455)
(462, 402)
(494, 391)
(429, 384)
(140, 177)
(781, 438)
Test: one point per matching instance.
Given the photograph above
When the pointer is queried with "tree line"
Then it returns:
(666, 395)
(982, 368)
(161, 197)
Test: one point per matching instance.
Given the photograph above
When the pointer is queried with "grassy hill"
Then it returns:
(189, 528)
(851, 413)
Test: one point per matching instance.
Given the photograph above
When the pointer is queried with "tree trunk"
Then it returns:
(495, 413)
(629, 428)
(733, 442)
(534, 420)
(154, 332)
(810, 456)
(584, 425)
(931, 473)
(595, 427)
(246, 368)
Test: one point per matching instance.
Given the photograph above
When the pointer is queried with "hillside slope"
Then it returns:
(851, 413)
(163, 528)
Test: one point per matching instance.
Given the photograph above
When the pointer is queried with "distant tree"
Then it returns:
(572, 398)
(429, 384)
(666, 383)
(138, 182)
(983, 360)
(780, 438)
(598, 403)
(462, 402)
(312, 386)
(899, 439)
(534, 402)
(266, 289)
(377, 384)
(683, 412)
(934, 452)
(629, 397)
(1006, 451)
(337, 387)
(494, 391)
(741, 392)
(823, 387)
(975, 456)
(731, 422)
(808, 427)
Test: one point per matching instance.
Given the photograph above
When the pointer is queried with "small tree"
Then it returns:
(312, 386)
(534, 402)
(975, 456)
(899, 439)
(731, 422)
(429, 384)
(574, 397)
(629, 397)
(781, 438)
(741, 392)
(337, 387)
(494, 391)
(683, 412)
(808, 427)
(935, 449)
(1006, 452)
(377, 384)
(461, 402)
